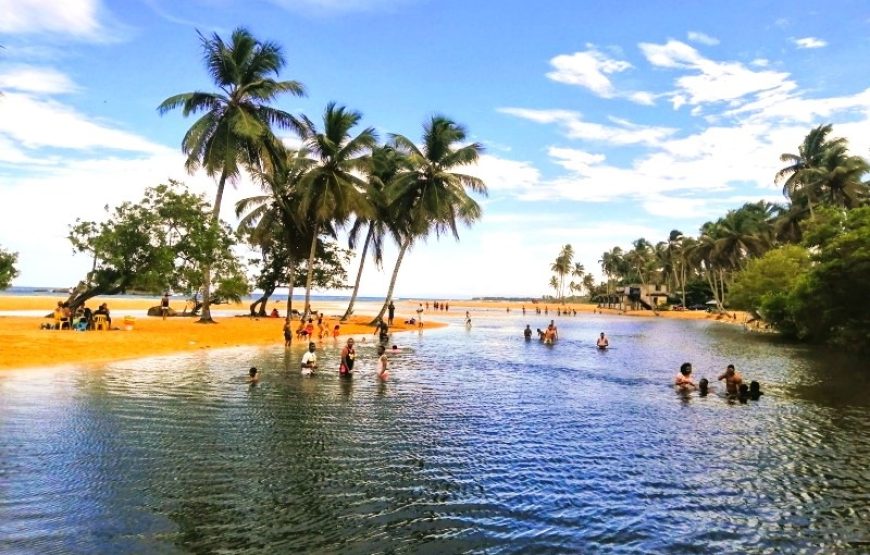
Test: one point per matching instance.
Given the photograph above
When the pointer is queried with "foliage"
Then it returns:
(8, 272)
(156, 244)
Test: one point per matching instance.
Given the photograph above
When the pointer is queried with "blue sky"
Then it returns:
(603, 122)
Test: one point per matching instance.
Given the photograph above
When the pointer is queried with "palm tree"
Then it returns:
(235, 130)
(841, 174)
(429, 195)
(589, 283)
(386, 162)
(795, 176)
(332, 190)
(562, 267)
(555, 285)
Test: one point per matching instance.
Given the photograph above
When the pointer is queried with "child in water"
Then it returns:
(755, 390)
(703, 387)
(382, 363)
(253, 375)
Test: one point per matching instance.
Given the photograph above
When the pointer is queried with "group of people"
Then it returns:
(735, 388)
(82, 319)
(305, 330)
(547, 336)
(347, 359)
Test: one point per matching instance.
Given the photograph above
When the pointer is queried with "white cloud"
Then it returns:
(501, 174)
(644, 98)
(576, 128)
(36, 80)
(760, 62)
(712, 81)
(37, 123)
(79, 18)
(588, 69)
(810, 42)
(702, 38)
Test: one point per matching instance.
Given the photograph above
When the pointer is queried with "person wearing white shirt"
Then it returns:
(309, 360)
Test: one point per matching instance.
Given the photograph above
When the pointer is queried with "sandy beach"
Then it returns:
(24, 345)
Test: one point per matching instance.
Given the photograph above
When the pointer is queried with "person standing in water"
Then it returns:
(467, 319)
(382, 362)
(309, 360)
(732, 380)
(683, 381)
(527, 333)
(348, 356)
(602, 342)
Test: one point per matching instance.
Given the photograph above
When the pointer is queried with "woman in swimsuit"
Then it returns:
(348, 355)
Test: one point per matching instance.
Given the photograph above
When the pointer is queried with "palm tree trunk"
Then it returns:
(362, 262)
(291, 271)
(405, 244)
(310, 278)
(205, 317)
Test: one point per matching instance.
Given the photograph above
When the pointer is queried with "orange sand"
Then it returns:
(24, 345)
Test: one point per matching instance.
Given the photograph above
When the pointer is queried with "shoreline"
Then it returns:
(24, 345)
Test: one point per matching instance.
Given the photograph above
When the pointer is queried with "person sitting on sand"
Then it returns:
(348, 357)
(703, 387)
(732, 380)
(309, 360)
(104, 310)
(382, 362)
(253, 375)
(527, 333)
(602, 341)
(274, 313)
(683, 381)
(755, 390)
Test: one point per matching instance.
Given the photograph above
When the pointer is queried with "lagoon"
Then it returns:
(480, 441)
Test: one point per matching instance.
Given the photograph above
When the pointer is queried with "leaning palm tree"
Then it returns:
(235, 130)
(333, 189)
(430, 195)
(386, 163)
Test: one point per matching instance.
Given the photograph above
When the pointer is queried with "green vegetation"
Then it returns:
(7, 268)
(157, 244)
(803, 266)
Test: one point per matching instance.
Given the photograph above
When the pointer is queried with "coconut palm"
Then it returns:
(332, 190)
(386, 162)
(562, 267)
(430, 195)
(235, 130)
(795, 176)
(840, 175)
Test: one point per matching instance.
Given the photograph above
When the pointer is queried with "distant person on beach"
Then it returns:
(683, 381)
(274, 313)
(164, 305)
(420, 315)
(703, 387)
(467, 319)
(252, 373)
(391, 313)
(755, 390)
(602, 341)
(382, 362)
(527, 333)
(309, 360)
(732, 380)
(348, 356)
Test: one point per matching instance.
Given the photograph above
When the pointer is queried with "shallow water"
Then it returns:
(479, 441)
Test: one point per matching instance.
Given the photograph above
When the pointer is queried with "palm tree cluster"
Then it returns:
(339, 176)
(564, 266)
(822, 173)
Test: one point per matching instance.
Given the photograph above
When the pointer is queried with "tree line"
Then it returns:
(802, 265)
(340, 177)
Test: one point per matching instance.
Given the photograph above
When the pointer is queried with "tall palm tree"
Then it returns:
(562, 267)
(841, 175)
(386, 162)
(235, 130)
(332, 190)
(430, 195)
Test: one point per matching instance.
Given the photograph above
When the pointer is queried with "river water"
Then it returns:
(479, 442)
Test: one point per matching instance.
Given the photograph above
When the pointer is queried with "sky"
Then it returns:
(602, 122)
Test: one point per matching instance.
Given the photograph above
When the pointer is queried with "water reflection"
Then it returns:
(478, 441)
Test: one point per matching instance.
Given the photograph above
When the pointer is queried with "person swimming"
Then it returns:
(253, 375)
(703, 387)
(732, 380)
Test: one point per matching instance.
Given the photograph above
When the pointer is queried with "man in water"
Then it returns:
(309, 360)
(602, 341)
(552, 330)
(348, 356)
(732, 380)
(527, 333)
(683, 381)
